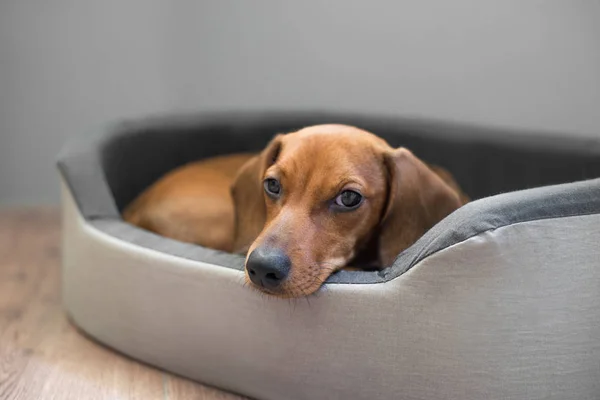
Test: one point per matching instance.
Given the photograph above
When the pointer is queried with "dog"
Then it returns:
(314, 201)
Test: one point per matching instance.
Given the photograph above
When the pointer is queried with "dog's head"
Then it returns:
(319, 198)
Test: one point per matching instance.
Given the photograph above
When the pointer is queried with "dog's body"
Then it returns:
(313, 202)
(192, 203)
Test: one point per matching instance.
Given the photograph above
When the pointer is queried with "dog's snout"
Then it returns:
(268, 267)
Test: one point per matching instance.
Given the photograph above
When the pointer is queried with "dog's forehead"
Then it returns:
(330, 131)
(331, 140)
(340, 150)
(329, 128)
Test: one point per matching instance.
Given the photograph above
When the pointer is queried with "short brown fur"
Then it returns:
(220, 202)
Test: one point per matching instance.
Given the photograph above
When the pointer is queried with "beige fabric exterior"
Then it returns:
(513, 313)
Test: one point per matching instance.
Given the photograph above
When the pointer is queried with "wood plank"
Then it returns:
(42, 356)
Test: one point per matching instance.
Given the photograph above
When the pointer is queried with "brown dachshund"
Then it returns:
(312, 202)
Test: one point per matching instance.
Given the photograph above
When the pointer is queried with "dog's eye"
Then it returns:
(349, 199)
(272, 187)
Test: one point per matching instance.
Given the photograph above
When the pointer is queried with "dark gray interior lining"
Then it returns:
(107, 170)
(484, 161)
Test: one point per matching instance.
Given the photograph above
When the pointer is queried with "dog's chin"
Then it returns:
(286, 291)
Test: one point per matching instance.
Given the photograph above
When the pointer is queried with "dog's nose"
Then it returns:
(268, 267)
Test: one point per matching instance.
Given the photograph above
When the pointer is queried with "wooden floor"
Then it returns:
(41, 355)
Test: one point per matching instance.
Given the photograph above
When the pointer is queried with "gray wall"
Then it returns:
(66, 67)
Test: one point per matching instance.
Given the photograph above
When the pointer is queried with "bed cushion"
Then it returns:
(498, 300)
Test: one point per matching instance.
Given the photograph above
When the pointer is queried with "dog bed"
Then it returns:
(501, 299)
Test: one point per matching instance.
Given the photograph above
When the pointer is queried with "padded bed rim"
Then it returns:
(80, 165)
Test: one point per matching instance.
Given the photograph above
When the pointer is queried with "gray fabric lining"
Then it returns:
(107, 170)
(132, 234)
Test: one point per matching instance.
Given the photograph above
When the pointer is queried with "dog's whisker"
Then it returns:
(306, 296)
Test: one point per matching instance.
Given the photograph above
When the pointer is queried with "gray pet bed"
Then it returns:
(500, 300)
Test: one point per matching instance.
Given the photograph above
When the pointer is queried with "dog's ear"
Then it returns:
(248, 196)
(417, 199)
